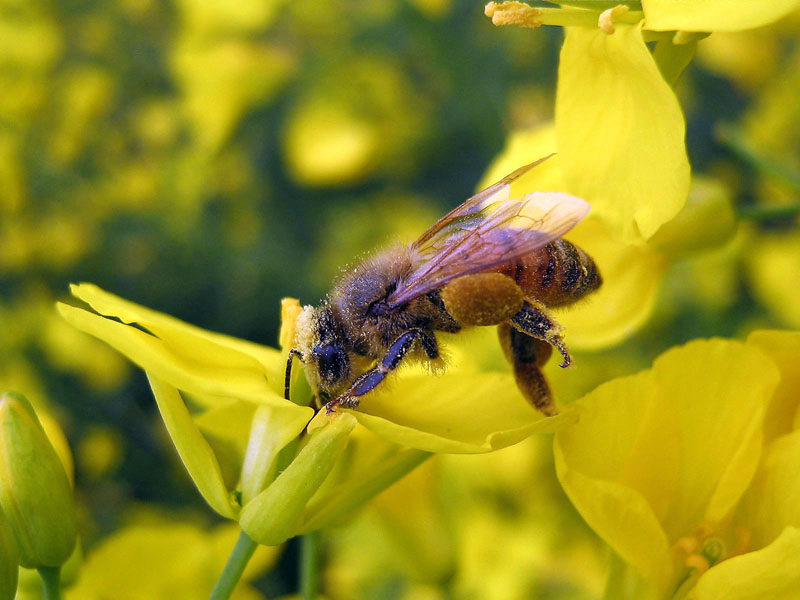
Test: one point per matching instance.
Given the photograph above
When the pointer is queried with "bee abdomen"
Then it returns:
(558, 273)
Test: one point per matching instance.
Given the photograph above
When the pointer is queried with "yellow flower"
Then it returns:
(767, 520)
(619, 127)
(664, 466)
(281, 478)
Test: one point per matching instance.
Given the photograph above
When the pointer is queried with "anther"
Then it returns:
(606, 20)
(698, 562)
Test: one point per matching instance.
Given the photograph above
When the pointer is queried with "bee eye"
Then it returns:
(331, 361)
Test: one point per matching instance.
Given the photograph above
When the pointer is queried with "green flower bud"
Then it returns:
(8, 561)
(35, 494)
(274, 515)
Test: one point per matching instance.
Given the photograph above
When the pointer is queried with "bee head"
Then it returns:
(331, 361)
(326, 356)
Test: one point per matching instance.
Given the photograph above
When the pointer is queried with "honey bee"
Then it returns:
(491, 261)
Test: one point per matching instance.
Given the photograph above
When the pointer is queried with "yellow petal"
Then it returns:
(683, 438)
(522, 147)
(631, 273)
(769, 574)
(193, 449)
(456, 412)
(773, 501)
(224, 378)
(200, 344)
(631, 279)
(623, 518)
(719, 390)
(783, 347)
(620, 131)
(713, 15)
(618, 466)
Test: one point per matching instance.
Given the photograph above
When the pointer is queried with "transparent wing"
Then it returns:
(486, 231)
(477, 203)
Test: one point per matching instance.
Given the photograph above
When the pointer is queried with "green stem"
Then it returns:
(736, 142)
(600, 5)
(579, 17)
(51, 584)
(309, 565)
(237, 561)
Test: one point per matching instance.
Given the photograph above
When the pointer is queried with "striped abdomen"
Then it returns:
(556, 274)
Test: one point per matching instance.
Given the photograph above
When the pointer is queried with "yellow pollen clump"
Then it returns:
(697, 561)
(513, 13)
(482, 298)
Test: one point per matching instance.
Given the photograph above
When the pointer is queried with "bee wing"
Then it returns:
(494, 232)
(494, 193)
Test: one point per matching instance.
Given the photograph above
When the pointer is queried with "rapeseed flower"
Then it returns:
(619, 127)
(285, 474)
(683, 470)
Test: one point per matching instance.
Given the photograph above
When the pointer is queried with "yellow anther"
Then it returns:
(697, 561)
(743, 538)
(606, 20)
(513, 13)
(703, 531)
(687, 545)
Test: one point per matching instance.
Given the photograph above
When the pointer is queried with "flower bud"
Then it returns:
(35, 494)
(8, 561)
(274, 515)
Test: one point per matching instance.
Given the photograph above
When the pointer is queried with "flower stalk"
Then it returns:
(309, 565)
(51, 582)
(232, 572)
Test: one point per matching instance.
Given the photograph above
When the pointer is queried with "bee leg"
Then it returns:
(287, 381)
(533, 320)
(368, 380)
(527, 355)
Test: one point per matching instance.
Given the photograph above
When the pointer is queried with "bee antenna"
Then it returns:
(287, 383)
